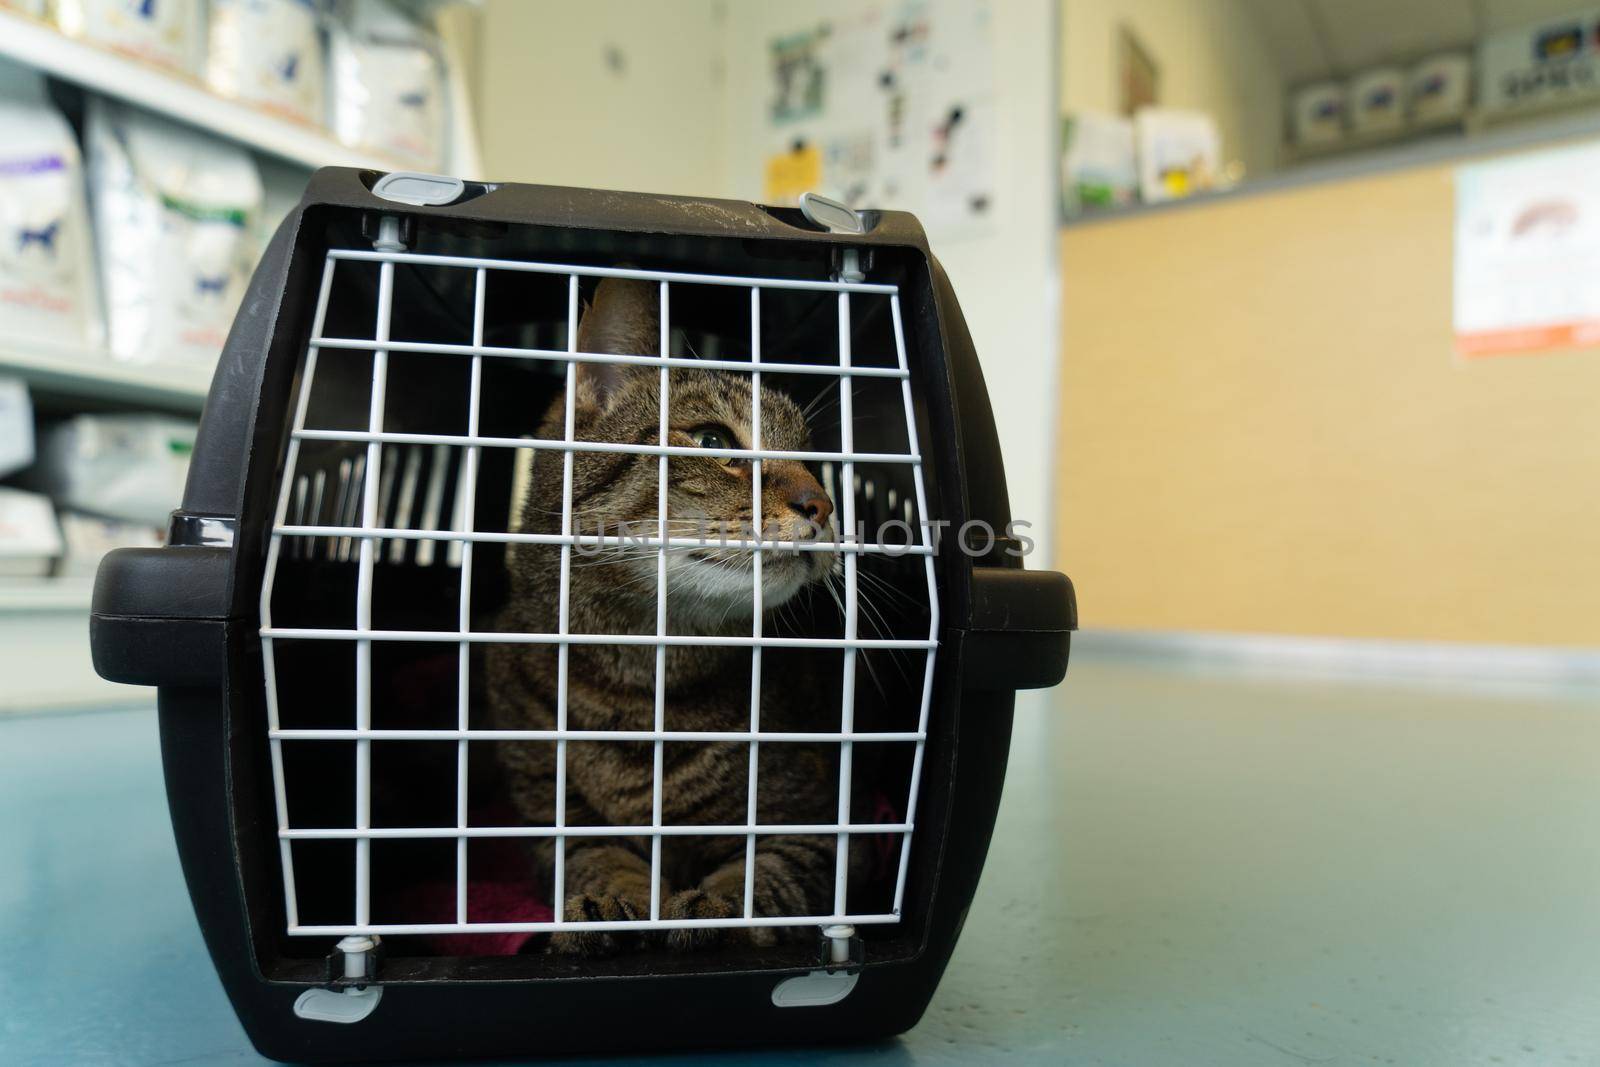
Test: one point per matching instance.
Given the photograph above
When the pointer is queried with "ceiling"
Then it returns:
(1331, 38)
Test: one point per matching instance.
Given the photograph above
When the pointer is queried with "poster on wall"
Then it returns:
(887, 105)
(1527, 253)
(799, 76)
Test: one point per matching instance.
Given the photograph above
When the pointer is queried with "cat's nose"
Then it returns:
(814, 504)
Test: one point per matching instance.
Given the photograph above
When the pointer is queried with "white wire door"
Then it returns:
(358, 528)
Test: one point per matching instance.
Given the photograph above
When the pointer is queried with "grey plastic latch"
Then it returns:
(830, 214)
(333, 1006)
(353, 1003)
(815, 990)
(420, 190)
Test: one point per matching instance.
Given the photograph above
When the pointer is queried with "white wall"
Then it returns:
(1211, 54)
(1007, 281)
(553, 108)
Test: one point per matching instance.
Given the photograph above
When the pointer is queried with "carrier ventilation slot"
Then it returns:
(419, 489)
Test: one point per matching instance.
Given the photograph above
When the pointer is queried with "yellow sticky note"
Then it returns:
(791, 173)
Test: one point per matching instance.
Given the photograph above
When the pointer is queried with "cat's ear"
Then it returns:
(625, 319)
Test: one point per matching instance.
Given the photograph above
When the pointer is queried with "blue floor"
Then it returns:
(1190, 869)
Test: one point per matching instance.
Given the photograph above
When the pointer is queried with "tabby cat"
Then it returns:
(612, 687)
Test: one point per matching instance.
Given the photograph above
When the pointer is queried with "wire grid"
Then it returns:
(369, 536)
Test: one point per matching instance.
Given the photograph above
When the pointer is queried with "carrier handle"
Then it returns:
(1020, 634)
(158, 615)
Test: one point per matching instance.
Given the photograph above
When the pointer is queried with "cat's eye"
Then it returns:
(715, 437)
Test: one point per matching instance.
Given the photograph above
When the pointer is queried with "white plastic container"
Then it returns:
(87, 538)
(48, 289)
(174, 225)
(1099, 167)
(1180, 153)
(164, 33)
(129, 467)
(16, 427)
(268, 53)
(1441, 88)
(387, 85)
(1318, 113)
(30, 540)
(1377, 101)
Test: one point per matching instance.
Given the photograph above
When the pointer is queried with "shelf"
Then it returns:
(1480, 136)
(1470, 130)
(46, 594)
(1366, 141)
(95, 375)
(37, 45)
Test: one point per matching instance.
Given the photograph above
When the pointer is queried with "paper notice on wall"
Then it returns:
(1527, 253)
(960, 189)
(898, 99)
(960, 124)
(799, 73)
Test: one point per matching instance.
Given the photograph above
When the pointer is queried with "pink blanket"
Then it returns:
(501, 890)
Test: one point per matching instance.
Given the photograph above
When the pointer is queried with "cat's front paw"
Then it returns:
(588, 908)
(697, 904)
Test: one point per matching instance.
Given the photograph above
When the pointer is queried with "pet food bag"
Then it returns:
(268, 53)
(388, 91)
(174, 213)
(1378, 101)
(48, 290)
(1318, 113)
(129, 467)
(87, 538)
(1441, 87)
(30, 540)
(165, 33)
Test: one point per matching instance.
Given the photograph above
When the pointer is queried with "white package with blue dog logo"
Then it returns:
(268, 53)
(387, 85)
(163, 33)
(47, 285)
(174, 224)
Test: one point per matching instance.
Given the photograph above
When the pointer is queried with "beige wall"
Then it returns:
(1264, 429)
(551, 108)
(1212, 57)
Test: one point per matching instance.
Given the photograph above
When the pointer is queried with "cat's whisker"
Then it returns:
(836, 589)
(619, 555)
(888, 588)
(862, 656)
(819, 404)
(876, 619)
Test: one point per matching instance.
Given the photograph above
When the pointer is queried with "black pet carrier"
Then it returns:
(341, 569)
